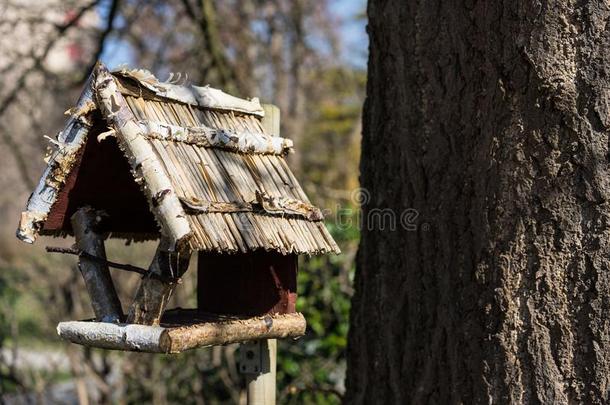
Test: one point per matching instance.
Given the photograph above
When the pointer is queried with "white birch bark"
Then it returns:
(145, 164)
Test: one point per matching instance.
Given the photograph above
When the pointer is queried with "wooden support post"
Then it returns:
(258, 363)
(104, 299)
(271, 120)
(259, 359)
(157, 287)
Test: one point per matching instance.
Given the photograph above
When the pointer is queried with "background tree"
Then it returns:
(491, 120)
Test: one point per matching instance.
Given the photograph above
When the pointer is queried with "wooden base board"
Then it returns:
(182, 330)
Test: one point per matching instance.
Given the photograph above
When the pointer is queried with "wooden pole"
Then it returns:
(271, 120)
(181, 334)
(258, 363)
(104, 299)
(261, 384)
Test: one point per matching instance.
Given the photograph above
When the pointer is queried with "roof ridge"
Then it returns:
(201, 96)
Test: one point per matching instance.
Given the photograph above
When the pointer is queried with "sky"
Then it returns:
(348, 13)
(352, 30)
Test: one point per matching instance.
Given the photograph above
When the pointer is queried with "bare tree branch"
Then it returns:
(114, 7)
(20, 83)
(22, 165)
(37, 60)
(78, 252)
(114, 265)
(213, 46)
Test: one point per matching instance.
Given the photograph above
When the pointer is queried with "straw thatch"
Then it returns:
(214, 179)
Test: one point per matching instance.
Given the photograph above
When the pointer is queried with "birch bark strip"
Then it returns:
(235, 141)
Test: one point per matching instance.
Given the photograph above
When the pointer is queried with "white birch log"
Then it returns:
(159, 339)
(147, 168)
(104, 299)
(242, 142)
(204, 96)
(59, 165)
(112, 336)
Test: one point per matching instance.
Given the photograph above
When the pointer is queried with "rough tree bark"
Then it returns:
(491, 120)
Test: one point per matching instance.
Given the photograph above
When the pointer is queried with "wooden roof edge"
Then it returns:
(60, 162)
(199, 96)
(148, 171)
(176, 339)
(329, 246)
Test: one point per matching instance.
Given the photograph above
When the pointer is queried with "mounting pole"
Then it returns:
(258, 363)
(258, 359)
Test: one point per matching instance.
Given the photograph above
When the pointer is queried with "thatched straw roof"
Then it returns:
(213, 178)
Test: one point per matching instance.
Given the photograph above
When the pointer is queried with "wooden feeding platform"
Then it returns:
(182, 330)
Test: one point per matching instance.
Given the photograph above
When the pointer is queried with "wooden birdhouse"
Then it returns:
(199, 170)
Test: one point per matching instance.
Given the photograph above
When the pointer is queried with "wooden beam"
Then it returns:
(157, 286)
(160, 339)
(264, 203)
(104, 299)
(146, 166)
(262, 385)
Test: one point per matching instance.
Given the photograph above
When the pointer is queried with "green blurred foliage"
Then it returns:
(312, 369)
(331, 147)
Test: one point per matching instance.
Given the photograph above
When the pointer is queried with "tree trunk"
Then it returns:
(491, 121)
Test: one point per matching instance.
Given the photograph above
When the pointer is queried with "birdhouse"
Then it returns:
(205, 174)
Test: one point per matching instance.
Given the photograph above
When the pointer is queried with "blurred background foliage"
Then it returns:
(306, 56)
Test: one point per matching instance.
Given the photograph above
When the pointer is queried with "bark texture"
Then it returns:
(104, 299)
(156, 288)
(491, 120)
(174, 338)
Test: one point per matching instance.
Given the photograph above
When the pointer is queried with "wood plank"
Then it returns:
(271, 120)
(253, 284)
